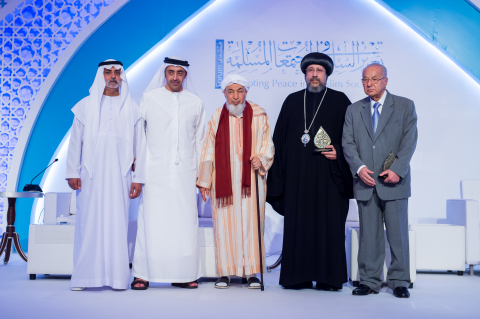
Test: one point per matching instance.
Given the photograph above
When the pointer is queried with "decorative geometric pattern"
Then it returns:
(32, 38)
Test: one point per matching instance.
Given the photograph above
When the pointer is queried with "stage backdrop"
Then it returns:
(265, 41)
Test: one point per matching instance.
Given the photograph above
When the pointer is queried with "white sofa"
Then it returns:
(50, 245)
(465, 212)
(352, 245)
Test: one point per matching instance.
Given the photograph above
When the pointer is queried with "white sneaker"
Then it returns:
(77, 288)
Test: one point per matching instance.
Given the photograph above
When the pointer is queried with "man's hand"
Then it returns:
(256, 162)
(365, 177)
(74, 183)
(135, 190)
(392, 176)
(204, 190)
(330, 155)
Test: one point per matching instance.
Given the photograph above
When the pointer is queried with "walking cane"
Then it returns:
(259, 232)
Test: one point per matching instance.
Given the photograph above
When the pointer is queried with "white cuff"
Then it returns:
(358, 170)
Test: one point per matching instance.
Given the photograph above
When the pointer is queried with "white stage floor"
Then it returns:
(435, 295)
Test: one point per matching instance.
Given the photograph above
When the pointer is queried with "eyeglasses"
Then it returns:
(374, 80)
(311, 70)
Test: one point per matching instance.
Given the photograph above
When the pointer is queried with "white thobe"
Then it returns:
(167, 249)
(100, 251)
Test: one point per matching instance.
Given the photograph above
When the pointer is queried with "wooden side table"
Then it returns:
(10, 235)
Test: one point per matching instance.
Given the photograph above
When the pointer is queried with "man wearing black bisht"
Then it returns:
(311, 189)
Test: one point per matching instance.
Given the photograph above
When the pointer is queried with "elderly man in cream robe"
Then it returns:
(238, 143)
(107, 135)
(167, 248)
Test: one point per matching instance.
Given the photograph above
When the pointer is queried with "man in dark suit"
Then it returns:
(376, 126)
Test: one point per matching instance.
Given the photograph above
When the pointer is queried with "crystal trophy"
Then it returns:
(322, 140)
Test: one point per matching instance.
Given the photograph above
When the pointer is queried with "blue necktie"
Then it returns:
(375, 116)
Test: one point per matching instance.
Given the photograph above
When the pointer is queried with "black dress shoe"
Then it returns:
(322, 286)
(363, 290)
(302, 285)
(401, 292)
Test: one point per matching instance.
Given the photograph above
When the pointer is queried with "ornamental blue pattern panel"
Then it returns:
(32, 38)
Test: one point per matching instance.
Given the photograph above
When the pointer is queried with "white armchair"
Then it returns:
(50, 245)
(353, 219)
(465, 212)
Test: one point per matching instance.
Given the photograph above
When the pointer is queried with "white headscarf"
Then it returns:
(88, 111)
(235, 79)
(159, 81)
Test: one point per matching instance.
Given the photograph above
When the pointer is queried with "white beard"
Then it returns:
(236, 110)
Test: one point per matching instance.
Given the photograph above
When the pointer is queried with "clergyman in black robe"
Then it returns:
(311, 190)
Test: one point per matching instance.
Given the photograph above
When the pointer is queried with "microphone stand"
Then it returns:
(36, 188)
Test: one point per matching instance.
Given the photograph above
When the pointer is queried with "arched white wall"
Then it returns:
(445, 97)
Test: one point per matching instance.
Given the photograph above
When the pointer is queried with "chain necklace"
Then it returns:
(306, 137)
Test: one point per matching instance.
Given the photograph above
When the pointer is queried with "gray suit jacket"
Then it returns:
(396, 132)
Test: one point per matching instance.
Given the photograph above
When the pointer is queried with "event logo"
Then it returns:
(270, 63)
(219, 67)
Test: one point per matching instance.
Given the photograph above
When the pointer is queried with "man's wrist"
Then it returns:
(360, 168)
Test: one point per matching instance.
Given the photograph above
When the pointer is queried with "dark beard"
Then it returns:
(313, 89)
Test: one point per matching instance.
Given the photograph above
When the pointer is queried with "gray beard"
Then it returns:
(314, 89)
(113, 84)
(236, 110)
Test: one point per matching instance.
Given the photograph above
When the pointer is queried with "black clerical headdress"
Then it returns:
(317, 58)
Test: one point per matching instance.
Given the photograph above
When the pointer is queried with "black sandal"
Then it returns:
(145, 284)
(253, 280)
(223, 279)
(186, 285)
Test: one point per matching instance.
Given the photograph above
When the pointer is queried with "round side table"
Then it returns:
(10, 235)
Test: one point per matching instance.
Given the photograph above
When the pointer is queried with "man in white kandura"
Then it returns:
(167, 249)
(238, 143)
(107, 135)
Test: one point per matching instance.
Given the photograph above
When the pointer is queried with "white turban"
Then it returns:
(235, 79)
(159, 80)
